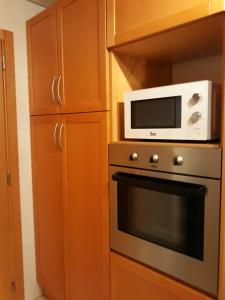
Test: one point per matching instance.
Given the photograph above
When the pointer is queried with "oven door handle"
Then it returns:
(185, 189)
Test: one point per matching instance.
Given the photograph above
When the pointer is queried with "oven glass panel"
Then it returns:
(167, 213)
(156, 113)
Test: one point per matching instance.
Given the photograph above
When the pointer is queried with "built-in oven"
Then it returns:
(165, 209)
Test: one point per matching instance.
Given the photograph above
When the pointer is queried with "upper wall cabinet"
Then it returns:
(67, 58)
(128, 20)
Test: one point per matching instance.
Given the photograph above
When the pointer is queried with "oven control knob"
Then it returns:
(178, 160)
(195, 98)
(154, 158)
(134, 156)
(195, 117)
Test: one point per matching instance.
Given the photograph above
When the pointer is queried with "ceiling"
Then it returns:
(44, 3)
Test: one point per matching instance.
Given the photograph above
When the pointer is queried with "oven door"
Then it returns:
(168, 221)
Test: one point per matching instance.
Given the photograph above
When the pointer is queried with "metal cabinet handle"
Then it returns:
(58, 90)
(53, 89)
(54, 134)
(60, 136)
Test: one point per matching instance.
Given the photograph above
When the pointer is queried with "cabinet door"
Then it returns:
(86, 206)
(132, 281)
(81, 27)
(47, 192)
(43, 63)
(132, 19)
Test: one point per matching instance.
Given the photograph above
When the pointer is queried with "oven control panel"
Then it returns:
(196, 161)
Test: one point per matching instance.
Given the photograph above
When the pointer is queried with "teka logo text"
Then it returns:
(152, 133)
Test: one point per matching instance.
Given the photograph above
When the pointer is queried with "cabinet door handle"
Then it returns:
(54, 135)
(53, 89)
(60, 136)
(58, 90)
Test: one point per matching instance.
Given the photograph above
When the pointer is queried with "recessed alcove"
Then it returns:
(186, 53)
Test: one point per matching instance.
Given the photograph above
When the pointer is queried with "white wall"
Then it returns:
(13, 14)
(209, 68)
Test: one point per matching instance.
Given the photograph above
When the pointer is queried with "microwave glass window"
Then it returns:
(167, 213)
(156, 113)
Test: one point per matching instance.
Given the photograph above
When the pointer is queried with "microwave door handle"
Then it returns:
(161, 185)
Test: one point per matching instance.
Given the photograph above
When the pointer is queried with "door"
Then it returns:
(43, 63)
(86, 206)
(82, 52)
(6, 257)
(47, 190)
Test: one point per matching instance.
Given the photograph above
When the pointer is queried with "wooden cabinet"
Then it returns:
(67, 58)
(43, 63)
(129, 20)
(86, 206)
(71, 205)
(48, 206)
(132, 281)
(67, 74)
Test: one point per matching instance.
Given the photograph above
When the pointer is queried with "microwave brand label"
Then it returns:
(152, 133)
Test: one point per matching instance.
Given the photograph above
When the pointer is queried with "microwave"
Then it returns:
(186, 111)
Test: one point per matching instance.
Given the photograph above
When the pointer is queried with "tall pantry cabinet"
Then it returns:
(67, 83)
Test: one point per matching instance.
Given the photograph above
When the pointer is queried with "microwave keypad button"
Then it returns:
(134, 156)
(195, 117)
(178, 160)
(154, 158)
(195, 98)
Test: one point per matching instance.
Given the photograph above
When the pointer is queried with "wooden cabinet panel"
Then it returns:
(47, 188)
(132, 281)
(81, 40)
(43, 62)
(130, 19)
(86, 206)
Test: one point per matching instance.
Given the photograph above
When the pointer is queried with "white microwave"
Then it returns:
(186, 111)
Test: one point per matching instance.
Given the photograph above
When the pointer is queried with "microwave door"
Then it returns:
(156, 113)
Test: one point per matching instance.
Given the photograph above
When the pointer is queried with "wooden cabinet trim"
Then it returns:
(221, 290)
(110, 14)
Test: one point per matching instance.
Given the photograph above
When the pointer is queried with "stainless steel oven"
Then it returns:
(165, 209)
